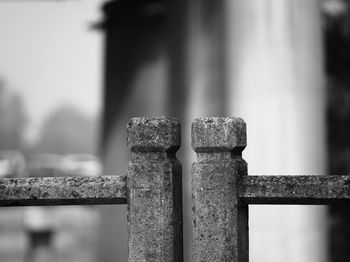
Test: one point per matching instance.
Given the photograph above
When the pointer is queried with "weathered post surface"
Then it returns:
(154, 190)
(220, 221)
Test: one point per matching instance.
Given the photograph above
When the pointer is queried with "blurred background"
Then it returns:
(73, 72)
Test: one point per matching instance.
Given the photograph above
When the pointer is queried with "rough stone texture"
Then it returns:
(301, 190)
(218, 134)
(154, 191)
(220, 221)
(146, 134)
(62, 191)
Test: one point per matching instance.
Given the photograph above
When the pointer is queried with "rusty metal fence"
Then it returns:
(152, 190)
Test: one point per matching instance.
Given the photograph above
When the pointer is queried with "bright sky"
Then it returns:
(49, 54)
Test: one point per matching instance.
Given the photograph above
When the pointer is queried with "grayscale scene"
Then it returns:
(106, 104)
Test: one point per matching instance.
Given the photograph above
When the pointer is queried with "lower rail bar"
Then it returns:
(46, 191)
(302, 190)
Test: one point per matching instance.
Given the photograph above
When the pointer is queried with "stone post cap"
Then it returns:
(153, 134)
(218, 134)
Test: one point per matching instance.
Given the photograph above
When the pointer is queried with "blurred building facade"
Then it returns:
(260, 60)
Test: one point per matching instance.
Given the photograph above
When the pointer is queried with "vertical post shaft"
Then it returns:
(154, 190)
(220, 221)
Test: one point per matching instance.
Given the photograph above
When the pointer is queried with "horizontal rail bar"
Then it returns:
(47, 191)
(302, 190)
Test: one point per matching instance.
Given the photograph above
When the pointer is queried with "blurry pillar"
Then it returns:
(275, 78)
(177, 101)
(135, 85)
(205, 78)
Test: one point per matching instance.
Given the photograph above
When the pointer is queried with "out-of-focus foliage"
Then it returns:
(12, 119)
(336, 16)
(337, 57)
(66, 131)
(12, 163)
(336, 20)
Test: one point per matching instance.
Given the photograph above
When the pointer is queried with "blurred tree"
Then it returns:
(12, 119)
(67, 130)
(336, 17)
(337, 56)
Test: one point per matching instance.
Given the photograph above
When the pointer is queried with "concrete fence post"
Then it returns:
(220, 222)
(154, 190)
